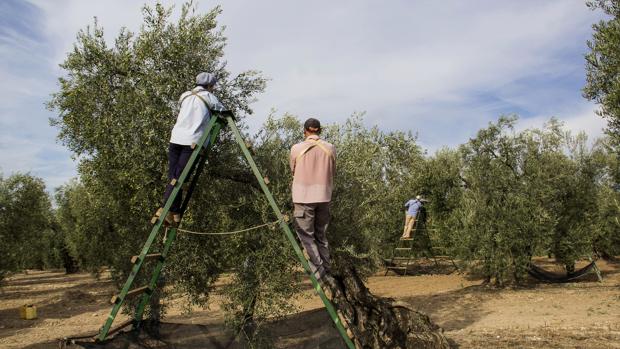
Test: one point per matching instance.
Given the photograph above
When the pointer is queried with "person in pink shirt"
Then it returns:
(313, 163)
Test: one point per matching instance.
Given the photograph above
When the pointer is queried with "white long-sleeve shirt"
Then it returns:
(194, 116)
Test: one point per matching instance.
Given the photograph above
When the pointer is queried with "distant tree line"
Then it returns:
(30, 237)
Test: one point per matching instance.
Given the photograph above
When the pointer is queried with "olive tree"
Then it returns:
(603, 66)
(26, 236)
(116, 106)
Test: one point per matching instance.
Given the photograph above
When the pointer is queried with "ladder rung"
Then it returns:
(134, 292)
(134, 259)
(173, 181)
(402, 248)
(397, 267)
(403, 239)
(154, 219)
(401, 258)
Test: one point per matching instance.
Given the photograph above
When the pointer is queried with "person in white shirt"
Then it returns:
(194, 114)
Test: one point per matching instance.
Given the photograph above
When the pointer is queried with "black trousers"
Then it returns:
(178, 156)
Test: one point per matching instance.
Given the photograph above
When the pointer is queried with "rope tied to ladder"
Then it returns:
(270, 224)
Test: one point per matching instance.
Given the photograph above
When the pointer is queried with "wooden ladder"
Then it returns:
(402, 256)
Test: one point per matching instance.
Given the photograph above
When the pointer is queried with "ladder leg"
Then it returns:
(387, 269)
(409, 257)
(173, 231)
(154, 231)
(289, 234)
(154, 277)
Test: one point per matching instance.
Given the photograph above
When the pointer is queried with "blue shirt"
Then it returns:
(413, 206)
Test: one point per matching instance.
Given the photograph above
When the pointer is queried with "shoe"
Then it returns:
(169, 217)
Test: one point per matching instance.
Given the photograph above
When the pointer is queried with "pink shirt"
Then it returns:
(313, 163)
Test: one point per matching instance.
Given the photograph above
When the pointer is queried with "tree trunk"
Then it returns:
(70, 264)
(381, 323)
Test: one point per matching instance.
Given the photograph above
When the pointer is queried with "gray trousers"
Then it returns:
(311, 221)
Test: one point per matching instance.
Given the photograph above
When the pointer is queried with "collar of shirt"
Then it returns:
(315, 137)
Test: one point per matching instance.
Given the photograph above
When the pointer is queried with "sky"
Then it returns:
(440, 69)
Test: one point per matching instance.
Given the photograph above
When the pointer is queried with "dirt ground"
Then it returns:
(582, 314)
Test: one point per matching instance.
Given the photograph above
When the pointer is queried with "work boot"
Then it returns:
(169, 217)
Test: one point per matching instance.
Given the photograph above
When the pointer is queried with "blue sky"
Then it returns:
(441, 69)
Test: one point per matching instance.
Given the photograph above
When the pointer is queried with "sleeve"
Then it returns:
(213, 103)
(334, 157)
(292, 161)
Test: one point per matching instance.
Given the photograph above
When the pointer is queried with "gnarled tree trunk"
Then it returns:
(381, 323)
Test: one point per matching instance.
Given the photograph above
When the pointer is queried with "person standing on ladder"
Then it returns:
(412, 207)
(194, 114)
(313, 163)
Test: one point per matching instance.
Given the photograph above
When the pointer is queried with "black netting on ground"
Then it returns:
(548, 276)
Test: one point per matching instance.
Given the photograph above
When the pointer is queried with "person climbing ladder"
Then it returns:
(194, 114)
(313, 162)
(412, 207)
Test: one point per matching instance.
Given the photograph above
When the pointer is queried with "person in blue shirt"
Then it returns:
(412, 207)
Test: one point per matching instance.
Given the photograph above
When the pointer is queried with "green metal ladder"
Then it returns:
(401, 257)
(192, 170)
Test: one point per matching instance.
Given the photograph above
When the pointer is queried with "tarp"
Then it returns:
(548, 276)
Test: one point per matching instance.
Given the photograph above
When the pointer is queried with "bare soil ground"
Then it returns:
(582, 314)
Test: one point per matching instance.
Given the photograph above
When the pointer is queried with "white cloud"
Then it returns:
(581, 119)
(400, 53)
(442, 69)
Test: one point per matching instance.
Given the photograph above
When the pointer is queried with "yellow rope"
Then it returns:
(229, 232)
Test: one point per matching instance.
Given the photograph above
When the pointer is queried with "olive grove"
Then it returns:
(495, 202)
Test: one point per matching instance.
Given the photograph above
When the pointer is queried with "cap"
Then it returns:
(205, 79)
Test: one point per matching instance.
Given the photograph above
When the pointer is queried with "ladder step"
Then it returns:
(134, 292)
(401, 258)
(134, 259)
(396, 267)
(403, 239)
(403, 248)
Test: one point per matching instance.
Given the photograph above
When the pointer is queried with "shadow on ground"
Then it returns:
(307, 330)
(462, 307)
(22, 288)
